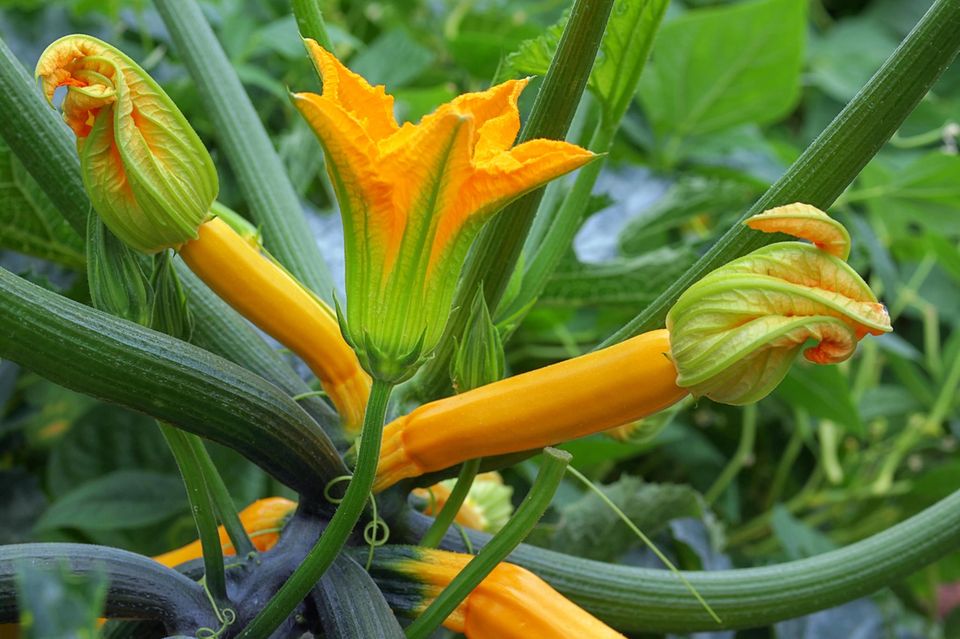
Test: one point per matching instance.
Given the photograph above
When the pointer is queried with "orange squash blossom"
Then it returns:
(413, 197)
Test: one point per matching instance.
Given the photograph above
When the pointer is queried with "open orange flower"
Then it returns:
(412, 199)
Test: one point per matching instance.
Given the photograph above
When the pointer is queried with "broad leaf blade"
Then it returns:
(122, 499)
(29, 223)
(717, 68)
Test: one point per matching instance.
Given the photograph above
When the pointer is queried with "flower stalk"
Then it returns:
(335, 535)
(412, 199)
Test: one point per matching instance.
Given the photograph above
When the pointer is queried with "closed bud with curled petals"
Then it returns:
(735, 333)
(147, 173)
(412, 199)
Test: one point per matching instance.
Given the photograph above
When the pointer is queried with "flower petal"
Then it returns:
(369, 105)
(496, 117)
(806, 222)
(508, 175)
(365, 199)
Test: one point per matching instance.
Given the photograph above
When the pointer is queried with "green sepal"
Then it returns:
(478, 358)
(170, 314)
(117, 275)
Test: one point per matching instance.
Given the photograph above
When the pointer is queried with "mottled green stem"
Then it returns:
(335, 535)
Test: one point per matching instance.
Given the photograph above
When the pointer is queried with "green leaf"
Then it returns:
(29, 223)
(632, 281)
(824, 392)
(23, 502)
(797, 538)
(624, 51)
(721, 67)
(842, 60)
(588, 528)
(620, 60)
(393, 59)
(533, 56)
(104, 440)
(119, 500)
(55, 603)
(925, 193)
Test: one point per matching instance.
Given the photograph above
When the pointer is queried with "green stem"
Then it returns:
(260, 173)
(748, 435)
(789, 457)
(311, 23)
(202, 508)
(498, 247)
(433, 536)
(137, 586)
(305, 577)
(220, 497)
(838, 154)
(946, 398)
(502, 544)
(37, 136)
(646, 600)
(97, 354)
(563, 227)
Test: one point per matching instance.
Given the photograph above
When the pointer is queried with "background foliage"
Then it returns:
(733, 93)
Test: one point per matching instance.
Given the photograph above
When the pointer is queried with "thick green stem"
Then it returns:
(311, 23)
(118, 361)
(335, 535)
(498, 247)
(433, 536)
(260, 173)
(563, 227)
(838, 154)
(137, 586)
(647, 600)
(41, 141)
(202, 508)
(220, 496)
(498, 548)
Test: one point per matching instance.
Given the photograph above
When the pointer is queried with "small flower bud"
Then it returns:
(735, 333)
(478, 359)
(147, 173)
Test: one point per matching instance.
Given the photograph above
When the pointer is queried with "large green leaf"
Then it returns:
(29, 223)
(720, 67)
(119, 500)
(104, 440)
(633, 281)
(924, 192)
(589, 528)
(623, 52)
